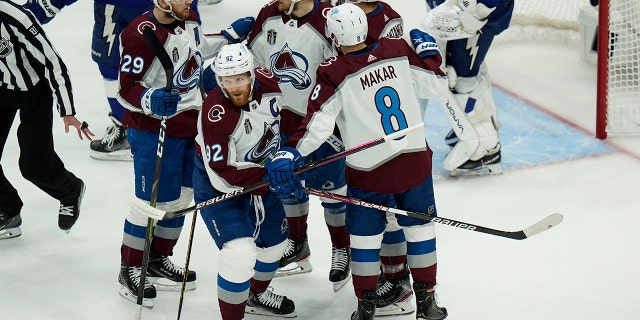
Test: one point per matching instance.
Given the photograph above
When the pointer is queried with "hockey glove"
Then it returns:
(209, 81)
(159, 102)
(45, 10)
(239, 29)
(425, 45)
(282, 178)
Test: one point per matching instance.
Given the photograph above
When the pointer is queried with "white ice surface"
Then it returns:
(586, 268)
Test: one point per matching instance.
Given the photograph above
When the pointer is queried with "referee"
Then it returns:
(31, 75)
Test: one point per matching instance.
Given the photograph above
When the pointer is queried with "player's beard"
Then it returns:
(182, 14)
(240, 97)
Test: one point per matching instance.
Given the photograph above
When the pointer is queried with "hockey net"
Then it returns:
(618, 101)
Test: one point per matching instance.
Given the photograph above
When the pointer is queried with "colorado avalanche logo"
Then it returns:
(291, 67)
(268, 144)
(215, 113)
(144, 24)
(187, 76)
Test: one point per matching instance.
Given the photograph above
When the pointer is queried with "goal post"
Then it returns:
(574, 23)
(618, 85)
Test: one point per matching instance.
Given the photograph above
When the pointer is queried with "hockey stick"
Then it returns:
(186, 263)
(167, 65)
(538, 227)
(165, 215)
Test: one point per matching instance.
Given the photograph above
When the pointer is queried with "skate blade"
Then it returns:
(10, 233)
(486, 170)
(164, 284)
(298, 267)
(396, 309)
(262, 312)
(339, 284)
(121, 155)
(146, 302)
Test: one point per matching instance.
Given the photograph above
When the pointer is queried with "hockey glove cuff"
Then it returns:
(239, 29)
(159, 102)
(425, 45)
(282, 178)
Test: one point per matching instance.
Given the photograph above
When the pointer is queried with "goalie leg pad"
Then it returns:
(481, 112)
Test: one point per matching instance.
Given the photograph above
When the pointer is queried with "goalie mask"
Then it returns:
(232, 60)
(346, 25)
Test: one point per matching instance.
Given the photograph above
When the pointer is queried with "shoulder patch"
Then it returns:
(215, 113)
(145, 24)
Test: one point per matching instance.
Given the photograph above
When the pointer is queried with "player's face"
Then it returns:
(238, 88)
(181, 8)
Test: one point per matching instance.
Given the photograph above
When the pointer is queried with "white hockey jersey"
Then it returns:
(292, 48)
(235, 141)
(370, 94)
(140, 69)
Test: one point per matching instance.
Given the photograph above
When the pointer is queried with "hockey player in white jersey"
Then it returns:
(142, 82)
(288, 38)
(371, 91)
(394, 284)
(465, 29)
(238, 129)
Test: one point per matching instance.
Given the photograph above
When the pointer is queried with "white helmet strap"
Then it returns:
(169, 11)
(293, 4)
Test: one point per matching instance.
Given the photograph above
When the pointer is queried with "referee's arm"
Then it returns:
(34, 57)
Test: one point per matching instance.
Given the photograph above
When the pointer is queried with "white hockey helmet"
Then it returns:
(346, 25)
(234, 59)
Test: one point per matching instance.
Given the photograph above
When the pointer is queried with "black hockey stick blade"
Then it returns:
(161, 53)
(538, 227)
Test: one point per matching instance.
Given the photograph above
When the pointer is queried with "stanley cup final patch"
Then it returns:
(271, 36)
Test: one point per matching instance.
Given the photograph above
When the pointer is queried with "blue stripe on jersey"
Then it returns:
(422, 247)
(135, 230)
(266, 267)
(393, 237)
(231, 286)
(365, 255)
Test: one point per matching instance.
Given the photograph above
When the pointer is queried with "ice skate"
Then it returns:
(394, 296)
(340, 272)
(9, 227)
(166, 276)
(428, 308)
(487, 165)
(269, 303)
(366, 307)
(114, 144)
(69, 213)
(295, 259)
(129, 279)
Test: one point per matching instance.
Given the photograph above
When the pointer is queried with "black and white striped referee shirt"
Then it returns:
(27, 57)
